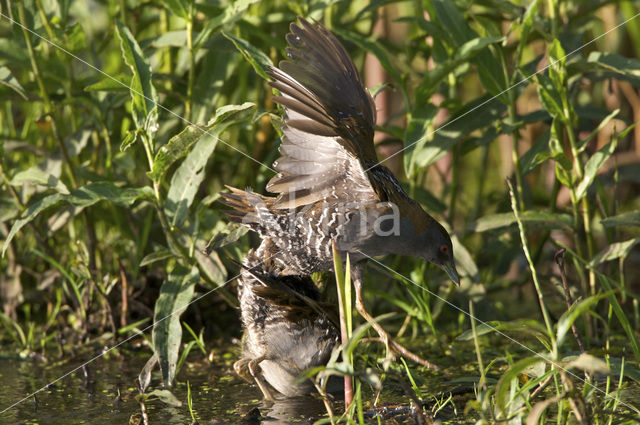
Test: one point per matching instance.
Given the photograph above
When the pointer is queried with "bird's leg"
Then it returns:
(357, 274)
(245, 365)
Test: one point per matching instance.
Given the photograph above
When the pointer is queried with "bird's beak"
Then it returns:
(450, 268)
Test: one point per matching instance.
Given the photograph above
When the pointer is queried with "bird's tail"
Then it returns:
(248, 208)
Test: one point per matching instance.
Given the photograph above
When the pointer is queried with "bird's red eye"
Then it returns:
(444, 249)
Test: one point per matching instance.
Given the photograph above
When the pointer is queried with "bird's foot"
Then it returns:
(249, 369)
(257, 376)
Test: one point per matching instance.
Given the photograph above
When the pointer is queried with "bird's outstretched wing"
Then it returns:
(328, 126)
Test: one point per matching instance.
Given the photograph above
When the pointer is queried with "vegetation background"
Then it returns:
(122, 120)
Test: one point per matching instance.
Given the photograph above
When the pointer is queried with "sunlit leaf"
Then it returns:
(419, 130)
(593, 165)
(81, 197)
(179, 145)
(616, 63)
(162, 254)
(175, 295)
(613, 252)
(549, 97)
(166, 397)
(8, 80)
(496, 221)
(625, 219)
(228, 236)
(144, 378)
(258, 60)
(469, 48)
(575, 311)
(622, 316)
(536, 155)
(232, 13)
(180, 8)
(39, 176)
(504, 384)
(522, 326)
(584, 142)
(589, 364)
(489, 69)
(143, 94)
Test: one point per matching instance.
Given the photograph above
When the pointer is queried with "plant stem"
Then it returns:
(534, 273)
(586, 221)
(44, 95)
(188, 108)
(483, 378)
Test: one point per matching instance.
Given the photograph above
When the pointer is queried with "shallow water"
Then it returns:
(108, 394)
(105, 392)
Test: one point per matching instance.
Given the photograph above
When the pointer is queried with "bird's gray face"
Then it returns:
(437, 249)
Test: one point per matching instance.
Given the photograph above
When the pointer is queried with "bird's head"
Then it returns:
(434, 244)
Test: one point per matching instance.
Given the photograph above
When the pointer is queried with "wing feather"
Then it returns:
(328, 126)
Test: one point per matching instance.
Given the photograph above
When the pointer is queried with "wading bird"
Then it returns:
(286, 329)
(330, 185)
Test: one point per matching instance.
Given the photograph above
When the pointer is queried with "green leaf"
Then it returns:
(129, 139)
(107, 191)
(187, 179)
(616, 63)
(496, 221)
(75, 38)
(145, 374)
(171, 39)
(575, 311)
(593, 165)
(459, 126)
(81, 197)
(527, 23)
(549, 97)
(228, 236)
(536, 155)
(464, 259)
(175, 295)
(143, 95)
(210, 263)
(372, 47)
(503, 386)
(419, 130)
(522, 326)
(231, 14)
(39, 176)
(582, 144)
(589, 364)
(258, 60)
(471, 47)
(178, 145)
(179, 8)
(488, 66)
(166, 397)
(8, 80)
(31, 213)
(115, 84)
(625, 219)
(557, 58)
(162, 254)
(613, 252)
(622, 316)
